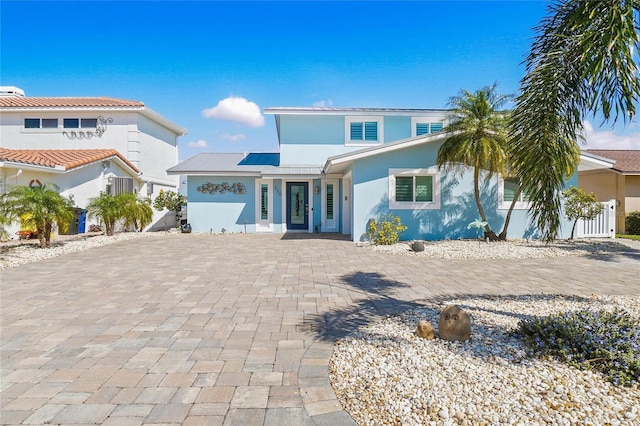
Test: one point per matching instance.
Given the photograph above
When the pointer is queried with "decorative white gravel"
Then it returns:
(510, 249)
(384, 374)
(13, 255)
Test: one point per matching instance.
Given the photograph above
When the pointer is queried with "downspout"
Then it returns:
(4, 180)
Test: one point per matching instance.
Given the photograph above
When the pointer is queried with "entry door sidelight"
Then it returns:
(297, 205)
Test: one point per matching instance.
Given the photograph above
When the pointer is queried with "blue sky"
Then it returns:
(212, 67)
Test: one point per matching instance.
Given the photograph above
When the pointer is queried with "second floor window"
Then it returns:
(40, 123)
(363, 130)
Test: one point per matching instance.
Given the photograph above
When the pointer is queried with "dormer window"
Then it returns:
(363, 130)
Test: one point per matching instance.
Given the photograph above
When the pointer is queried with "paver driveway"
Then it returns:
(227, 329)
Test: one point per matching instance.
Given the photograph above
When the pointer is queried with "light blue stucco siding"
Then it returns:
(213, 212)
(396, 128)
(457, 209)
(312, 139)
(277, 205)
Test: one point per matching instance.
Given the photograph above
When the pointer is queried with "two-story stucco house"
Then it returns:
(337, 168)
(85, 145)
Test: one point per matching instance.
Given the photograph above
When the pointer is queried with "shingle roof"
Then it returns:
(66, 158)
(626, 160)
(66, 102)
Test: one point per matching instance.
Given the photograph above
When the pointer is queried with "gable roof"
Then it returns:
(627, 161)
(99, 103)
(60, 159)
(338, 163)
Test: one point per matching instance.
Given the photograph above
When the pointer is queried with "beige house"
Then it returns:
(620, 182)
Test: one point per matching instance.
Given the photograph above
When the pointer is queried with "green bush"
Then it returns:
(386, 231)
(608, 342)
(632, 223)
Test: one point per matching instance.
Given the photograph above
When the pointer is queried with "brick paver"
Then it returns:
(228, 329)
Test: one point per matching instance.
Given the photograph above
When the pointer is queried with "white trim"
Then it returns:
(330, 225)
(352, 111)
(347, 191)
(361, 118)
(264, 225)
(382, 149)
(505, 205)
(404, 205)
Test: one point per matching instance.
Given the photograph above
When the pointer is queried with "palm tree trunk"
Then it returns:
(43, 242)
(47, 233)
(503, 233)
(488, 233)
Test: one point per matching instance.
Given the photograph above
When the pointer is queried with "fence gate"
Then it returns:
(603, 226)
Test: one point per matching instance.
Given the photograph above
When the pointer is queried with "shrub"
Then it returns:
(605, 341)
(386, 231)
(632, 223)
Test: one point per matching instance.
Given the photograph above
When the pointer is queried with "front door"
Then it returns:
(297, 205)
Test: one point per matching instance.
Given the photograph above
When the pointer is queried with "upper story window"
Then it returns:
(421, 126)
(507, 190)
(414, 189)
(363, 130)
(40, 123)
(77, 123)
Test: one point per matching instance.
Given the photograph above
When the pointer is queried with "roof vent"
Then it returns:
(11, 92)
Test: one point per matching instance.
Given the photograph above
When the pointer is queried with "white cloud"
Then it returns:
(238, 110)
(198, 144)
(232, 138)
(598, 139)
(323, 103)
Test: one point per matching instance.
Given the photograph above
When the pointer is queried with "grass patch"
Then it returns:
(628, 237)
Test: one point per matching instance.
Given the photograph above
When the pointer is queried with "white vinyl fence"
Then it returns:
(603, 226)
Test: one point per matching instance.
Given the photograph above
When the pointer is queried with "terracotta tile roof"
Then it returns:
(27, 102)
(67, 158)
(627, 160)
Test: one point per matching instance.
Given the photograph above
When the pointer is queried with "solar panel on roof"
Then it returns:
(261, 159)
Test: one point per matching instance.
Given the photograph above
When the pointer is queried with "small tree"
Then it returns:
(106, 208)
(169, 200)
(38, 207)
(580, 205)
(136, 212)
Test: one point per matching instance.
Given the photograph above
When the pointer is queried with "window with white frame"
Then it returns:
(414, 188)
(421, 126)
(264, 201)
(363, 130)
(264, 205)
(507, 190)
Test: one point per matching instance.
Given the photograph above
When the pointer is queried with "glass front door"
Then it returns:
(297, 205)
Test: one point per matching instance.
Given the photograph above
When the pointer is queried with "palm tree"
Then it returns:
(107, 208)
(478, 139)
(584, 59)
(38, 207)
(137, 212)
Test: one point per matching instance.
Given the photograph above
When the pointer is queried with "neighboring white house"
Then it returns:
(85, 145)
